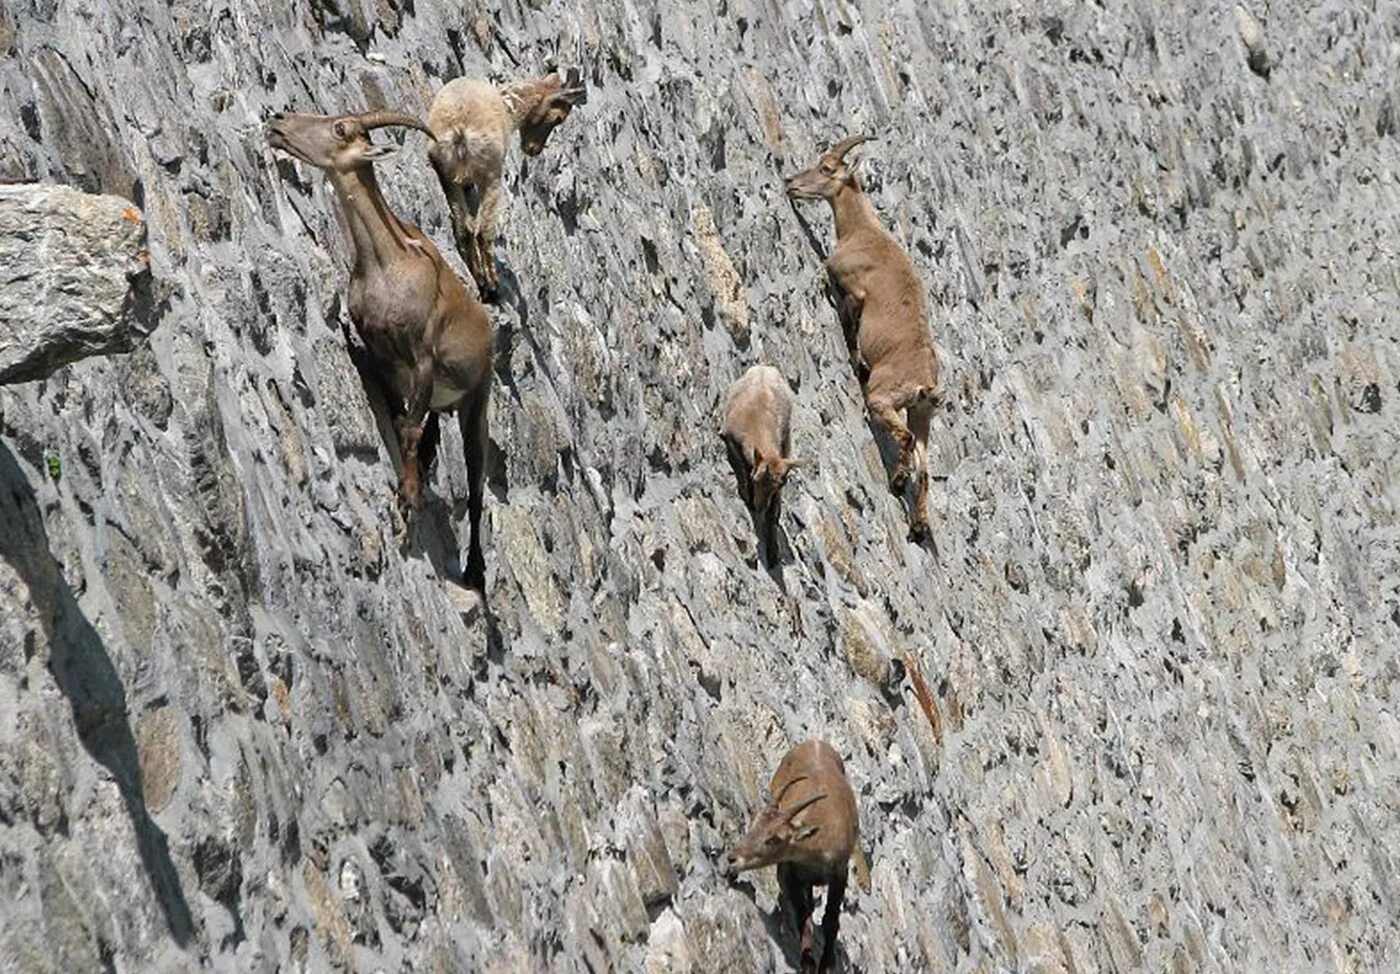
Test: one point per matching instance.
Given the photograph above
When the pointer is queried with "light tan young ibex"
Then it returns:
(884, 316)
(472, 121)
(428, 340)
(810, 830)
(757, 431)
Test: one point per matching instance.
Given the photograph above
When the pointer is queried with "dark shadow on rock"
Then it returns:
(86, 675)
(780, 924)
(514, 295)
(495, 641)
(807, 230)
(430, 533)
(782, 929)
(889, 450)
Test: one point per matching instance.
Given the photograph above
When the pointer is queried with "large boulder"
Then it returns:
(74, 278)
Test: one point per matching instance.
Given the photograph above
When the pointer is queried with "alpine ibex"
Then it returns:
(809, 828)
(757, 432)
(472, 121)
(428, 340)
(884, 316)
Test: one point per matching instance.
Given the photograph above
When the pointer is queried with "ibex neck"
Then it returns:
(378, 236)
(852, 210)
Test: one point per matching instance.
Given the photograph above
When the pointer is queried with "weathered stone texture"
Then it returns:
(74, 280)
(243, 729)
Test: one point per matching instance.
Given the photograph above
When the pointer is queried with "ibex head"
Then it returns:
(336, 143)
(556, 100)
(776, 835)
(769, 476)
(824, 180)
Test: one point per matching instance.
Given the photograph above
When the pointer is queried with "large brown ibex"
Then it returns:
(885, 318)
(427, 338)
(810, 829)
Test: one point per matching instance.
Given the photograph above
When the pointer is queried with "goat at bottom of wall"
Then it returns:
(427, 340)
(884, 316)
(472, 121)
(809, 829)
(757, 431)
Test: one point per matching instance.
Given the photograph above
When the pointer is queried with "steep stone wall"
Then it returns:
(241, 728)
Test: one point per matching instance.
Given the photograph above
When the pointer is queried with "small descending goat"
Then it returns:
(884, 316)
(810, 830)
(757, 431)
(428, 340)
(472, 121)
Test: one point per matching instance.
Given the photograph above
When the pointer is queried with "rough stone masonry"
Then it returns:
(242, 730)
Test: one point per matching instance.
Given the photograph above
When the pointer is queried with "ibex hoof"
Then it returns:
(899, 479)
(920, 534)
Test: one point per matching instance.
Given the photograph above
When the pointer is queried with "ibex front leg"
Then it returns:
(831, 921)
(408, 426)
(920, 415)
(848, 310)
(799, 894)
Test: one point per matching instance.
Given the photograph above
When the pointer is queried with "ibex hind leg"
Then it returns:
(920, 415)
(888, 417)
(463, 232)
(488, 282)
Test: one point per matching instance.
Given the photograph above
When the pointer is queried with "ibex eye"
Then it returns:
(772, 840)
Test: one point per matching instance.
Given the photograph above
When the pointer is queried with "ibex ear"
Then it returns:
(573, 87)
(806, 833)
(853, 167)
(375, 153)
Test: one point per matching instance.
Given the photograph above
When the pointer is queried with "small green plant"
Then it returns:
(55, 468)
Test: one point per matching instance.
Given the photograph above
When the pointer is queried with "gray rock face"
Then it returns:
(73, 278)
(241, 729)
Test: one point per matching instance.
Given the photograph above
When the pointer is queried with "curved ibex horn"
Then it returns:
(384, 116)
(778, 798)
(839, 150)
(803, 805)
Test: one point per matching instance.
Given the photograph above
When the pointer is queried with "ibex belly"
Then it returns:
(445, 395)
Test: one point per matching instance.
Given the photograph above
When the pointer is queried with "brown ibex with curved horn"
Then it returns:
(810, 829)
(428, 340)
(884, 316)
